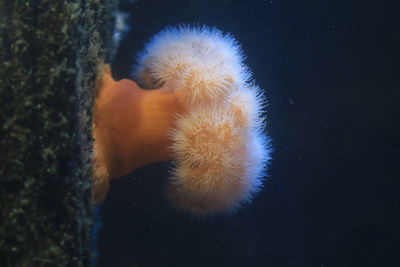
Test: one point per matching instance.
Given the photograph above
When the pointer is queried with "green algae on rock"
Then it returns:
(49, 57)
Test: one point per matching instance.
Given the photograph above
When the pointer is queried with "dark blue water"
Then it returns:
(330, 71)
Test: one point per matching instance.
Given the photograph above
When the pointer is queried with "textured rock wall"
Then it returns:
(49, 59)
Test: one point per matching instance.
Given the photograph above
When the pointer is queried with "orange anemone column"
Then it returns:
(130, 128)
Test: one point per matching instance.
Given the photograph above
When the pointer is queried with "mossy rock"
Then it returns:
(50, 52)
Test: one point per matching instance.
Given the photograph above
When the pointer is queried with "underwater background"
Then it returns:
(329, 70)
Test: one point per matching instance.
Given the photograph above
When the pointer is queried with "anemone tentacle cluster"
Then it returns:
(219, 145)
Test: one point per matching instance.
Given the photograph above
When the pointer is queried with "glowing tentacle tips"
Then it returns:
(220, 147)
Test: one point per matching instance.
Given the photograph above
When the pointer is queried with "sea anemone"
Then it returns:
(205, 116)
(202, 64)
(219, 156)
